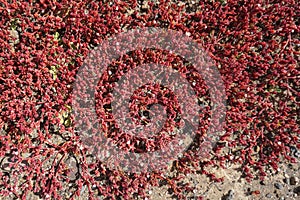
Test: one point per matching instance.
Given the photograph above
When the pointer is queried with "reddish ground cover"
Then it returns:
(254, 44)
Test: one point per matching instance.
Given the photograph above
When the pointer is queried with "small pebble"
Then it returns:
(278, 186)
(290, 166)
(293, 180)
(269, 195)
(295, 151)
(297, 154)
(229, 195)
(287, 181)
(262, 183)
(297, 190)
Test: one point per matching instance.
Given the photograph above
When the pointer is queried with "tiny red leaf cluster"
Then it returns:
(254, 44)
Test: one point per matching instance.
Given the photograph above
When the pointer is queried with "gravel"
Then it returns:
(229, 195)
(293, 180)
(269, 195)
(297, 190)
(278, 186)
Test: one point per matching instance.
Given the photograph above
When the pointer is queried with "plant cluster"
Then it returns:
(254, 43)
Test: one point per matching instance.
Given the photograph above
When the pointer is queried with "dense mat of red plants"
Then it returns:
(254, 43)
